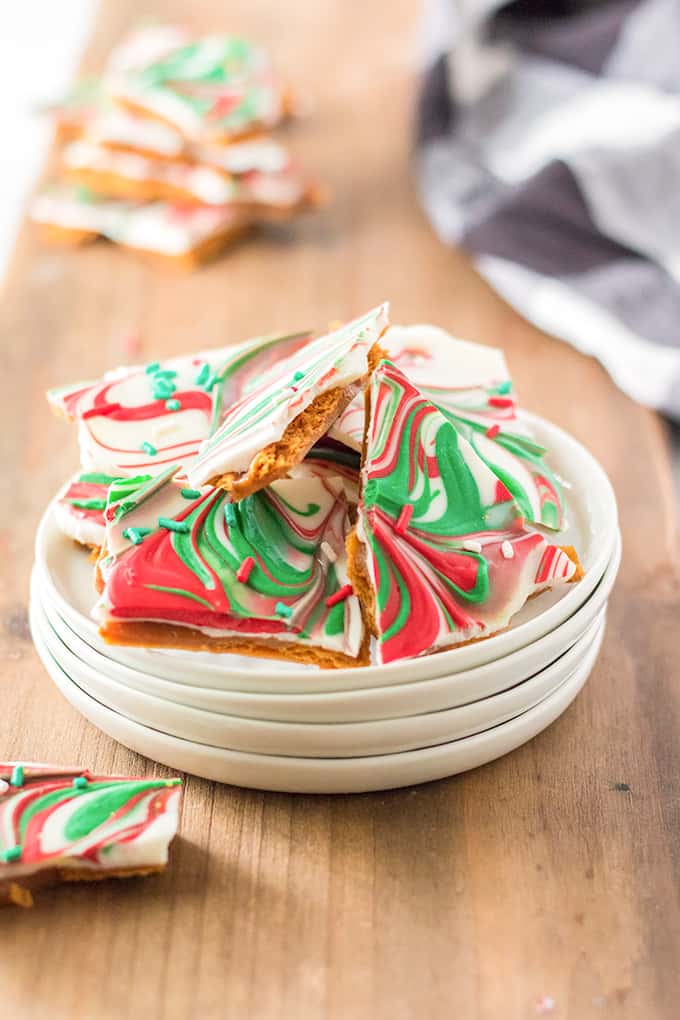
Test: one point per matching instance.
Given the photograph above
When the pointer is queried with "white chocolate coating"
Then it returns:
(262, 416)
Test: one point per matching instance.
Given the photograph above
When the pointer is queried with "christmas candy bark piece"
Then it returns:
(216, 88)
(471, 384)
(183, 236)
(63, 824)
(172, 84)
(132, 176)
(441, 554)
(272, 428)
(80, 506)
(120, 131)
(266, 576)
(140, 419)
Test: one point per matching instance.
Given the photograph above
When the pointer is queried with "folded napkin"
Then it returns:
(549, 147)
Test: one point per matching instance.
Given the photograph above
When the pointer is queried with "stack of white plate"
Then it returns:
(279, 726)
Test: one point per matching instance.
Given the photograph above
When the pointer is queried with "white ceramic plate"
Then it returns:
(389, 701)
(305, 775)
(313, 740)
(351, 706)
(66, 573)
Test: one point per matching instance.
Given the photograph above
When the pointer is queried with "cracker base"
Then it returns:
(148, 634)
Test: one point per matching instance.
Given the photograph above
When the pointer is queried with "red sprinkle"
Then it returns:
(501, 402)
(493, 431)
(245, 570)
(340, 595)
(405, 515)
(99, 409)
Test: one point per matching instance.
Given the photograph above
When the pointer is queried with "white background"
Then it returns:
(40, 45)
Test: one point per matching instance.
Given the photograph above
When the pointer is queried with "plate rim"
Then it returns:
(257, 731)
(269, 687)
(426, 765)
(450, 691)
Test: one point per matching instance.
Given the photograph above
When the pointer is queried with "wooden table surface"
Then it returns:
(538, 877)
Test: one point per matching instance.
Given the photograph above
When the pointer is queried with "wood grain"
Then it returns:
(472, 897)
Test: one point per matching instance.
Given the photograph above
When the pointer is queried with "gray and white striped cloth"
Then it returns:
(549, 147)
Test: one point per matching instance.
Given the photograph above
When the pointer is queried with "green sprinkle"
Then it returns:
(281, 609)
(503, 388)
(172, 405)
(80, 783)
(203, 375)
(183, 527)
(152, 367)
(12, 853)
(230, 514)
(298, 375)
(190, 493)
(165, 373)
(150, 449)
(17, 777)
(136, 535)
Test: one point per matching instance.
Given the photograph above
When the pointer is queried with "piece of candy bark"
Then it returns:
(441, 554)
(137, 177)
(216, 87)
(182, 235)
(472, 384)
(266, 576)
(63, 824)
(271, 429)
(140, 419)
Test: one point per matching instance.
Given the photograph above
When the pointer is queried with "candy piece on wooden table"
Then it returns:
(471, 384)
(80, 506)
(171, 406)
(182, 236)
(272, 428)
(439, 575)
(213, 88)
(118, 130)
(251, 577)
(64, 824)
(136, 177)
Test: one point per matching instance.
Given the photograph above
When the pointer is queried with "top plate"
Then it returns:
(66, 573)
